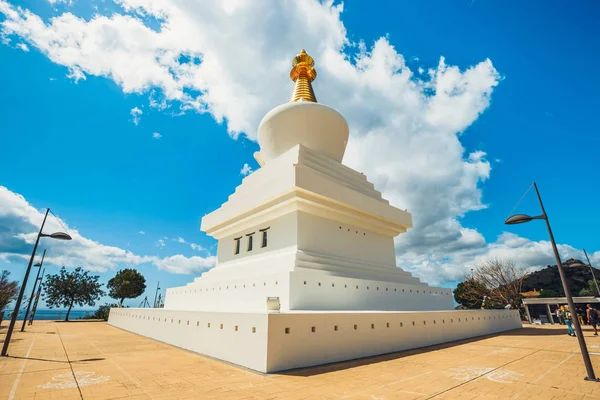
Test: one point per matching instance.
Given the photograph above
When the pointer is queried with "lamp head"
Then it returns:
(521, 219)
(58, 236)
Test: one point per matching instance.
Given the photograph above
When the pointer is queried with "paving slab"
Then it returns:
(92, 360)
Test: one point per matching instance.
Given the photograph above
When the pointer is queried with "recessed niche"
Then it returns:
(335, 328)
(287, 331)
(221, 326)
(355, 327)
(235, 328)
(313, 329)
(372, 326)
(253, 329)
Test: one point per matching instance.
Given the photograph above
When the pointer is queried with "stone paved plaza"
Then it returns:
(92, 360)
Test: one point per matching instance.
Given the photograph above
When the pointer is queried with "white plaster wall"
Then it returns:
(311, 290)
(236, 294)
(375, 333)
(328, 236)
(282, 233)
(246, 346)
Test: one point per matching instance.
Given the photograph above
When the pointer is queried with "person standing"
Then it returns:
(592, 317)
(559, 315)
(568, 317)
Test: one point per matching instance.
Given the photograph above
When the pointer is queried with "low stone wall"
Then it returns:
(280, 341)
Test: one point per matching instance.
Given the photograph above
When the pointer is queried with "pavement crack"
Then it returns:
(70, 364)
(481, 376)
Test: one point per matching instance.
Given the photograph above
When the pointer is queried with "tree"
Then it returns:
(66, 289)
(127, 284)
(469, 294)
(590, 290)
(8, 291)
(104, 311)
(502, 280)
(546, 293)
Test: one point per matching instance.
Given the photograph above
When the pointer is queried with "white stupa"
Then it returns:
(306, 270)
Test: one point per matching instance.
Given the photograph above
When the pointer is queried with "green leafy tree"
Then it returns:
(545, 293)
(127, 284)
(104, 311)
(470, 294)
(8, 291)
(66, 289)
(590, 290)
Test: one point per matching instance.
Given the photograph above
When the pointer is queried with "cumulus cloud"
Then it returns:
(179, 264)
(156, 135)
(142, 232)
(136, 115)
(246, 170)
(20, 222)
(212, 57)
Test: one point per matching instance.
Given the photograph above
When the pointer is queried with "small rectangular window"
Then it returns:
(237, 245)
(250, 241)
(264, 237)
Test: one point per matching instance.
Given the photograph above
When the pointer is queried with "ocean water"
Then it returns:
(55, 314)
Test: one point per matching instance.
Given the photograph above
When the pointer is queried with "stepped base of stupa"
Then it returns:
(270, 341)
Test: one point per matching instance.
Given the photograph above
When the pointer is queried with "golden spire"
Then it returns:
(303, 74)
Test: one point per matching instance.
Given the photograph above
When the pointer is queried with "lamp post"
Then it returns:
(13, 321)
(37, 299)
(39, 265)
(156, 293)
(522, 218)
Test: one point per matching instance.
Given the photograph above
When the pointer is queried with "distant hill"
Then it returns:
(549, 278)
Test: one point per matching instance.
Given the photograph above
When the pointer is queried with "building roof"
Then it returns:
(561, 300)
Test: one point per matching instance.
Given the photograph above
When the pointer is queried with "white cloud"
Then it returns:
(136, 115)
(54, 2)
(179, 264)
(156, 135)
(246, 170)
(197, 247)
(76, 74)
(193, 246)
(212, 57)
(23, 46)
(160, 243)
(142, 232)
(19, 224)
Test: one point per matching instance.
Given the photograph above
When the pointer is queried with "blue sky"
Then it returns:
(72, 145)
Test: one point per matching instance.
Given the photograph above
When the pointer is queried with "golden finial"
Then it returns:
(303, 74)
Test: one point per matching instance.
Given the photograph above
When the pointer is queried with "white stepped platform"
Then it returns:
(272, 342)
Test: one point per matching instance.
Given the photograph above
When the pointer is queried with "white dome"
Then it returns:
(312, 125)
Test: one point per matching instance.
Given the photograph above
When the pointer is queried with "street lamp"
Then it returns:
(39, 265)
(589, 264)
(13, 320)
(522, 218)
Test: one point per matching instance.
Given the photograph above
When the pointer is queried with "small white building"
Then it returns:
(306, 271)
